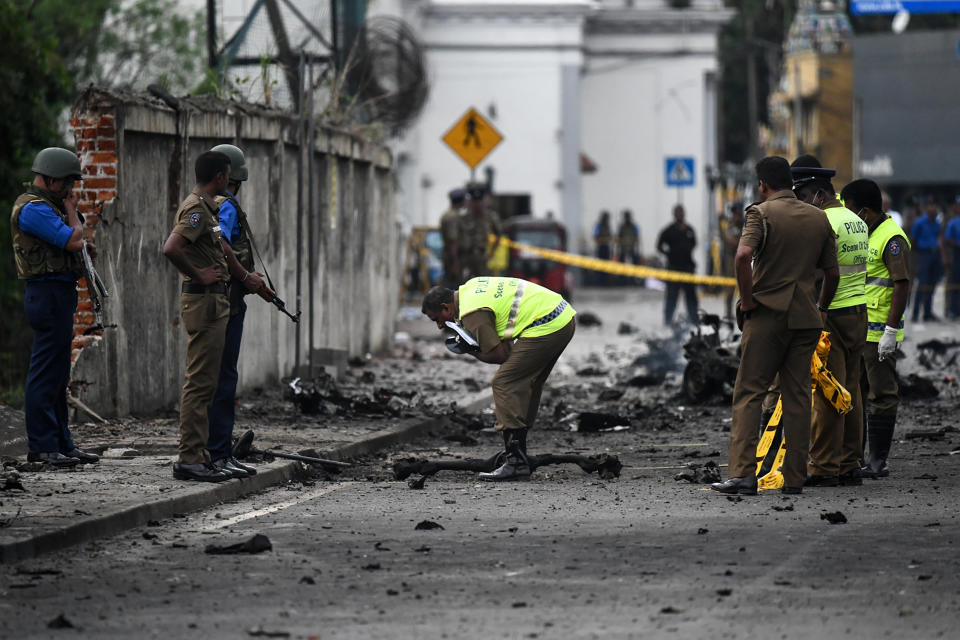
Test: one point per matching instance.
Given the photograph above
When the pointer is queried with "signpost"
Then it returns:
(472, 138)
(880, 7)
(678, 171)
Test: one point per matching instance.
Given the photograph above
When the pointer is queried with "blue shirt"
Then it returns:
(40, 220)
(925, 233)
(229, 222)
(953, 229)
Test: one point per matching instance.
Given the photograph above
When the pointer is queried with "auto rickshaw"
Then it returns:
(545, 234)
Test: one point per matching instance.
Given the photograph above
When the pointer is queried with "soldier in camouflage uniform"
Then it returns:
(47, 241)
(473, 233)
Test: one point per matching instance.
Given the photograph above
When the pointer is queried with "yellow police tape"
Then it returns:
(617, 268)
(772, 447)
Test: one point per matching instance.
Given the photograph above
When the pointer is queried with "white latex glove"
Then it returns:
(888, 342)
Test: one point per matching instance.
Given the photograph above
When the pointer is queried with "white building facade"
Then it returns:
(619, 84)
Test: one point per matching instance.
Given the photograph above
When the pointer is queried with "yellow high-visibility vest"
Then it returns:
(520, 307)
(879, 289)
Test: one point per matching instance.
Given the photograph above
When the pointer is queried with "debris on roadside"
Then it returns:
(834, 517)
(591, 421)
(60, 622)
(939, 434)
(916, 387)
(257, 544)
(626, 329)
(260, 632)
(588, 319)
(700, 474)
(607, 466)
(11, 481)
(427, 525)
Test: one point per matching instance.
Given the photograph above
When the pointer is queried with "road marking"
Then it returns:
(280, 506)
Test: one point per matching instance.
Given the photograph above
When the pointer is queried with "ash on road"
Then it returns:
(566, 555)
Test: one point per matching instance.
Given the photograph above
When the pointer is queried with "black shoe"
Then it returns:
(822, 481)
(200, 472)
(55, 459)
(875, 469)
(251, 471)
(224, 465)
(515, 468)
(515, 465)
(83, 456)
(791, 491)
(745, 486)
(931, 318)
(851, 478)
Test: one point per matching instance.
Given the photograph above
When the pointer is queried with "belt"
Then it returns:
(553, 315)
(846, 311)
(193, 287)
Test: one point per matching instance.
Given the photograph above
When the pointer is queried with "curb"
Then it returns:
(206, 495)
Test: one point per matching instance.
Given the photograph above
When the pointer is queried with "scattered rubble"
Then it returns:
(257, 544)
(607, 466)
(427, 525)
(834, 517)
(700, 474)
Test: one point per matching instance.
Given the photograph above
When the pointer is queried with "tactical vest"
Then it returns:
(879, 289)
(852, 246)
(241, 246)
(520, 307)
(36, 258)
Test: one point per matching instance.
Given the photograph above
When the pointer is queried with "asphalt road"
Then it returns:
(566, 555)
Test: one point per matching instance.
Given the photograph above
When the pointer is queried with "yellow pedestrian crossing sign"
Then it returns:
(679, 171)
(472, 138)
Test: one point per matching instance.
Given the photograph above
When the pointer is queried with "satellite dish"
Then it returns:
(900, 21)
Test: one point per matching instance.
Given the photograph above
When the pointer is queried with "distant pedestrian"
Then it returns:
(784, 243)
(603, 244)
(628, 239)
(951, 253)
(47, 241)
(677, 242)
(448, 231)
(925, 236)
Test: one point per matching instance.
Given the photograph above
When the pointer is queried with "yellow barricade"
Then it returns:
(772, 446)
(617, 268)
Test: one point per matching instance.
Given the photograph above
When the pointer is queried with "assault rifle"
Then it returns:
(95, 288)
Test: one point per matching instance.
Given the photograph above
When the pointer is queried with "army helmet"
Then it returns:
(57, 162)
(238, 164)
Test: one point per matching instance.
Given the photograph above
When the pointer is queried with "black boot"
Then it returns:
(880, 437)
(515, 466)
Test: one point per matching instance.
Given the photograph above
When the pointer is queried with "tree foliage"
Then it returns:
(51, 48)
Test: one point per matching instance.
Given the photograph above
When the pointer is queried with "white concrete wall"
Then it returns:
(638, 110)
(508, 65)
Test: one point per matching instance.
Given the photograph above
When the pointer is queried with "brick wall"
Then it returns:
(96, 136)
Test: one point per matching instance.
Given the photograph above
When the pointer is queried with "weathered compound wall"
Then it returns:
(138, 154)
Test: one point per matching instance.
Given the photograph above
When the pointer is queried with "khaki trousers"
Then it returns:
(836, 440)
(519, 381)
(205, 317)
(769, 348)
(883, 394)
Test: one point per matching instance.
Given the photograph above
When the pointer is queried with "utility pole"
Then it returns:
(212, 34)
(752, 116)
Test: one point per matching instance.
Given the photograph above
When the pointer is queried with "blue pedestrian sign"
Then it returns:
(679, 171)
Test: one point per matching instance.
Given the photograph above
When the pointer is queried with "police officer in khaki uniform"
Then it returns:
(888, 286)
(474, 229)
(448, 231)
(524, 328)
(47, 240)
(835, 438)
(197, 249)
(787, 241)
